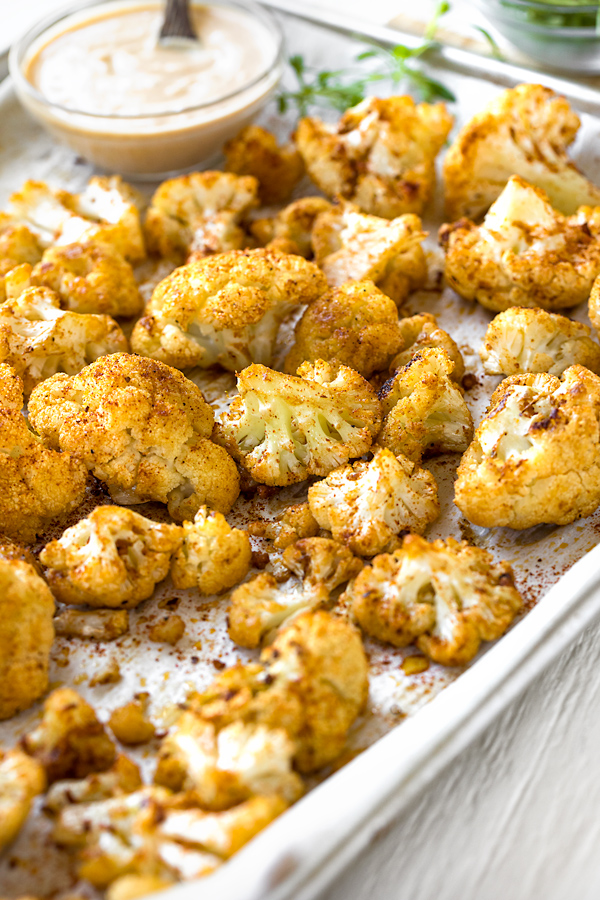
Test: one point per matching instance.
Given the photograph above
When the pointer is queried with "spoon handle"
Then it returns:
(177, 21)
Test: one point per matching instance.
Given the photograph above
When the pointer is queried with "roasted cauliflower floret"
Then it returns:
(355, 324)
(422, 332)
(525, 253)
(18, 244)
(283, 429)
(123, 777)
(90, 277)
(26, 636)
(70, 741)
(143, 429)
(36, 483)
(294, 523)
(535, 456)
(21, 780)
(213, 556)
(533, 340)
(291, 229)
(350, 246)
(381, 154)
(594, 305)
(200, 213)
(321, 561)
(446, 596)
(424, 409)
(366, 505)
(226, 309)
(255, 151)
(112, 558)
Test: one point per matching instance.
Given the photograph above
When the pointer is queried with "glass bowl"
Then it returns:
(147, 147)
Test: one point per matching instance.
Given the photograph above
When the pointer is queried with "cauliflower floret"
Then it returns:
(70, 741)
(294, 523)
(142, 428)
(18, 244)
(100, 625)
(350, 246)
(113, 558)
(213, 556)
(21, 779)
(200, 213)
(367, 504)
(254, 151)
(123, 777)
(130, 724)
(36, 484)
(291, 229)
(532, 340)
(422, 332)
(594, 305)
(355, 324)
(525, 253)
(535, 456)
(283, 429)
(320, 560)
(90, 277)
(226, 309)
(381, 154)
(446, 596)
(424, 409)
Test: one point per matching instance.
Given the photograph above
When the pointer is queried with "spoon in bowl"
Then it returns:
(177, 23)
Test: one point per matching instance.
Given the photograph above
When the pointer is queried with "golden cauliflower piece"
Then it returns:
(355, 324)
(112, 558)
(36, 484)
(283, 429)
(130, 724)
(535, 456)
(26, 636)
(200, 213)
(291, 229)
(321, 561)
(123, 777)
(594, 305)
(422, 332)
(90, 277)
(446, 596)
(525, 253)
(381, 154)
(70, 741)
(212, 557)
(21, 779)
(254, 151)
(18, 244)
(143, 429)
(294, 523)
(226, 309)
(351, 246)
(424, 409)
(100, 625)
(366, 505)
(533, 340)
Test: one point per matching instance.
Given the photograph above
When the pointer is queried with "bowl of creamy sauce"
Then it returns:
(98, 78)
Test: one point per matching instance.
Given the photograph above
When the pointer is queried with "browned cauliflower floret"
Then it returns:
(355, 324)
(422, 332)
(533, 340)
(294, 523)
(535, 456)
(213, 556)
(381, 154)
(69, 742)
(424, 409)
(36, 484)
(255, 151)
(18, 244)
(350, 246)
(524, 253)
(291, 229)
(100, 625)
(26, 636)
(323, 561)
(123, 777)
(21, 779)
(143, 429)
(524, 131)
(226, 309)
(130, 724)
(283, 429)
(366, 505)
(90, 277)
(594, 305)
(446, 596)
(200, 213)
(113, 558)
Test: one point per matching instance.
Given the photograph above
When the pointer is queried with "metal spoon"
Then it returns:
(177, 22)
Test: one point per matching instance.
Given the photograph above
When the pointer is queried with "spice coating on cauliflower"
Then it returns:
(446, 596)
(535, 456)
(594, 305)
(226, 309)
(283, 429)
(212, 556)
(381, 153)
(355, 324)
(524, 131)
(21, 779)
(143, 429)
(26, 636)
(291, 229)
(254, 151)
(422, 332)
(123, 777)
(112, 558)
(533, 340)
(366, 505)
(321, 561)
(294, 523)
